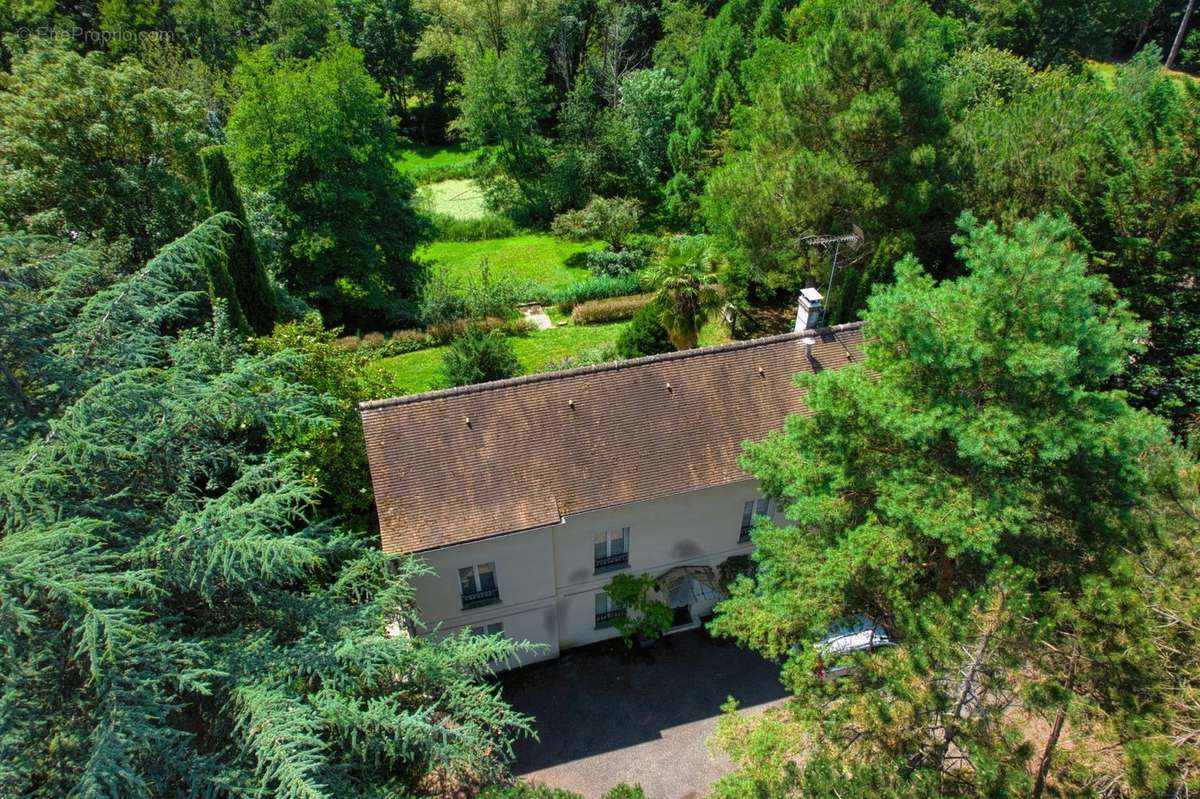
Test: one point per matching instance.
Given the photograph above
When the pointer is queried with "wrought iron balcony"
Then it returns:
(478, 599)
(610, 563)
(607, 618)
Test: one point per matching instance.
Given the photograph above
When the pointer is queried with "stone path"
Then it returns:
(536, 316)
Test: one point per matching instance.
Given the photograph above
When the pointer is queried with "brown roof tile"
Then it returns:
(541, 447)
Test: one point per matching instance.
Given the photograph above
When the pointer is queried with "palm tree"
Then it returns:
(687, 288)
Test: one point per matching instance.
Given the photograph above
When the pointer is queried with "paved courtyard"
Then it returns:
(606, 716)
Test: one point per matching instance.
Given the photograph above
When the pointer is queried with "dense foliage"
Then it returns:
(92, 150)
(176, 617)
(198, 198)
(316, 137)
(644, 617)
(478, 356)
(977, 487)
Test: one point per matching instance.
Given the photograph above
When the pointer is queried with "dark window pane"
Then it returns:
(466, 577)
(487, 576)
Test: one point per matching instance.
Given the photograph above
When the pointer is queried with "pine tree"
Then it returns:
(978, 488)
(712, 88)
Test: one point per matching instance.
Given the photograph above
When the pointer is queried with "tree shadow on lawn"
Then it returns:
(602, 697)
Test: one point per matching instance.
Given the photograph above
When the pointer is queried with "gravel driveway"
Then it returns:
(606, 716)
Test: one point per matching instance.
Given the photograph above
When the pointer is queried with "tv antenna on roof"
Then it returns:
(853, 239)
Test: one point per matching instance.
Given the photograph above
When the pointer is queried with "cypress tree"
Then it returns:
(249, 279)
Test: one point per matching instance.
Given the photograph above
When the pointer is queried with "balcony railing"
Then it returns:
(478, 599)
(612, 562)
(607, 618)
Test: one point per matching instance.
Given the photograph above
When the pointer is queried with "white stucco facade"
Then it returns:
(546, 579)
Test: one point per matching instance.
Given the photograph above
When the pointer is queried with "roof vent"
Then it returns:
(467, 421)
(810, 312)
(809, 341)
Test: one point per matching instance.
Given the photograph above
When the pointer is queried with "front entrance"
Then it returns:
(690, 592)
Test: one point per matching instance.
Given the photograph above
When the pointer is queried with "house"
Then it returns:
(527, 495)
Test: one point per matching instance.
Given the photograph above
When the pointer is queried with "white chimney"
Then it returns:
(810, 313)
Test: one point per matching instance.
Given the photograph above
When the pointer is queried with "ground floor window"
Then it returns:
(489, 629)
(607, 611)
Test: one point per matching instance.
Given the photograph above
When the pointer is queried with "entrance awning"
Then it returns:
(683, 585)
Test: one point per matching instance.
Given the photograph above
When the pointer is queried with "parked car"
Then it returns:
(859, 634)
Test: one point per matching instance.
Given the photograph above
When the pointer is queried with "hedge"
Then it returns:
(613, 309)
(599, 287)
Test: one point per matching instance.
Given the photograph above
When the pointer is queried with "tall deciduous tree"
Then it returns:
(976, 487)
(316, 136)
(88, 149)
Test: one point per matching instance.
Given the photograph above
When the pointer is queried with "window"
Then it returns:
(606, 611)
(478, 585)
(750, 511)
(488, 629)
(612, 550)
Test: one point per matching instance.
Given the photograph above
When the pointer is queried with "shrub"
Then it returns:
(645, 335)
(347, 343)
(494, 296)
(372, 340)
(589, 357)
(445, 331)
(441, 332)
(599, 287)
(607, 219)
(492, 226)
(644, 617)
(615, 264)
(444, 300)
(625, 791)
(404, 341)
(613, 309)
(478, 356)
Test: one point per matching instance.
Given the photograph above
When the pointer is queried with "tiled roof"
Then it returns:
(468, 463)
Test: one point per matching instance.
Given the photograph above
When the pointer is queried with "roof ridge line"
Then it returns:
(607, 366)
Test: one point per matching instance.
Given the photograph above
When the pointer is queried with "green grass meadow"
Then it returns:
(537, 351)
(414, 161)
(535, 257)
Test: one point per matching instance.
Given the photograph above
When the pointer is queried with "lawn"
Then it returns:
(413, 161)
(539, 258)
(420, 371)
